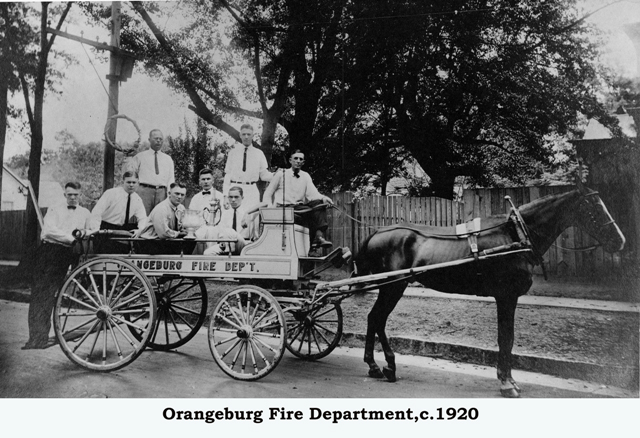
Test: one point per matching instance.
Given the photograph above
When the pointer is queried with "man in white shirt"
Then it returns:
(234, 217)
(232, 226)
(246, 165)
(155, 170)
(121, 208)
(55, 255)
(294, 187)
(164, 223)
(209, 197)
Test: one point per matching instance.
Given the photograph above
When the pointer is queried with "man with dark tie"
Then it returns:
(155, 170)
(232, 226)
(234, 217)
(55, 255)
(245, 166)
(119, 208)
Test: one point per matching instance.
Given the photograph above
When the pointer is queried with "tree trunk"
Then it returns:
(5, 71)
(4, 91)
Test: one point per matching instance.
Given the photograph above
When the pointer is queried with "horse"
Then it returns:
(534, 226)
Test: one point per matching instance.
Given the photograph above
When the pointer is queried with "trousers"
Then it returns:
(51, 266)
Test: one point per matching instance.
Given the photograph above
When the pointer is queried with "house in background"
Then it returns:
(15, 192)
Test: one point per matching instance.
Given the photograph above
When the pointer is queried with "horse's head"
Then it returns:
(592, 215)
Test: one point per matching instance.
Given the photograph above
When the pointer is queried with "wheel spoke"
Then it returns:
(184, 321)
(122, 292)
(65, 333)
(85, 292)
(93, 283)
(184, 309)
(247, 330)
(115, 340)
(115, 283)
(91, 312)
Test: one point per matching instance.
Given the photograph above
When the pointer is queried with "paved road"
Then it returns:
(192, 373)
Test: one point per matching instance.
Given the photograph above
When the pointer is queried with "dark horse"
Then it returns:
(505, 277)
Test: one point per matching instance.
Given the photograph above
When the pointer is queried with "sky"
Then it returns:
(81, 109)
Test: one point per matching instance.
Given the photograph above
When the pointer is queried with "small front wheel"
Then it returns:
(247, 333)
(314, 333)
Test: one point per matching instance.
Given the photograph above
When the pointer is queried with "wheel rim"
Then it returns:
(315, 333)
(247, 333)
(99, 306)
(182, 309)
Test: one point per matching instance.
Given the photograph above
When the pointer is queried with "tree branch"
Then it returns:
(27, 102)
(62, 18)
(199, 106)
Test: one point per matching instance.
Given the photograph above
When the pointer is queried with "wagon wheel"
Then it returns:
(182, 309)
(247, 333)
(313, 334)
(100, 304)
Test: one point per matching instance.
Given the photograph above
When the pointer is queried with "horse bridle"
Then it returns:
(595, 193)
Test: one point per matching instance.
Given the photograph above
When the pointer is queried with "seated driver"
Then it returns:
(297, 190)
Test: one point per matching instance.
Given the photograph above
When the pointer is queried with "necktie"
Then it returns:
(126, 212)
(71, 207)
(244, 160)
(296, 173)
(233, 224)
(206, 193)
(155, 155)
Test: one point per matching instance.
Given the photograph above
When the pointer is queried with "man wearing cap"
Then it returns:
(155, 169)
(55, 255)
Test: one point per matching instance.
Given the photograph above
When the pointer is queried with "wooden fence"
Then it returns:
(354, 219)
(11, 231)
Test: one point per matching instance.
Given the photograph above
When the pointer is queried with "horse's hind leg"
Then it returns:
(506, 318)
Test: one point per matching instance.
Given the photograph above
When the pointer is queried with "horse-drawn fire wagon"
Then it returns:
(112, 307)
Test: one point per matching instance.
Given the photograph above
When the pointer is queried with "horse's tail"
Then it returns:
(361, 260)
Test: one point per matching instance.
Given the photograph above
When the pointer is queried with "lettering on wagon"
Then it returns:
(240, 266)
(157, 265)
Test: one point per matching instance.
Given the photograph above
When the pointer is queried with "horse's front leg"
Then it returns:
(388, 297)
(506, 320)
(372, 320)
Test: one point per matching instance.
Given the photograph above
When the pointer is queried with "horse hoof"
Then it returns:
(510, 393)
(376, 373)
(389, 374)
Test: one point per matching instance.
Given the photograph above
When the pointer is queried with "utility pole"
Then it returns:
(114, 85)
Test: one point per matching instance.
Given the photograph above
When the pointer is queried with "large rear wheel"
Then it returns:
(182, 309)
(247, 333)
(100, 305)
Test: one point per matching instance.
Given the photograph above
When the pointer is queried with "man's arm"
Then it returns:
(312, 193)
(140, 214)
(264, 173)
(98, 211)
(172, 175)
(162, 224)
(267, 197)
(52, 232)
